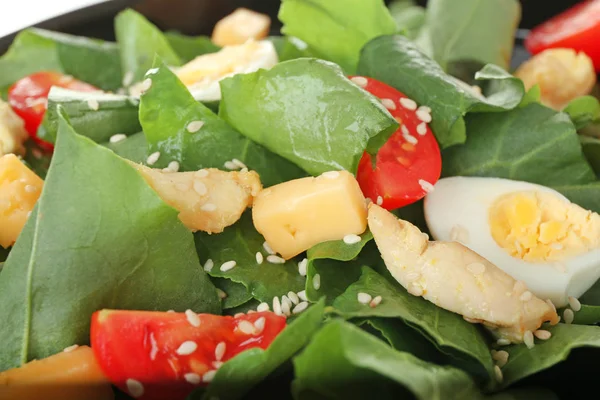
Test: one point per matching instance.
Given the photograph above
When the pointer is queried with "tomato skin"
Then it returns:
(406, 163)
(577, 28)
(142, 345)
(28, 98)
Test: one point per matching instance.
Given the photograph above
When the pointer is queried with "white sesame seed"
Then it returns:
(408, 137)
(498, 373)
(128, 78)
(153, 158)
(228, 265)
(316, 281)
(173, 166)
(423, 115)
(194, 126)
(426, 109)
(568, 316)
(364, 298)
(302, 265)
(379, 200)
(208, 265)
(526, 296)
(273, 259)
(302, 295)
(268, 248)
(93, 104)
(574, 303)
(259, 257)
(352, 239)
(186, 348)
(542, 334)
(286, 300)
(230, 165)
(71, 348)
(276, 306)
(407, 103)
(300, 307)
(220, 351)
(375, 302)
(246, 327)
(117, 138)
(153, 347)
(422, 129)
(360, 81)
(217, 365)
(146, 85)
(201, 173)
(293, 297)
(528, 339)
(200, 188)
(30, 189)
(192, 378)
(209, 376)
(262, 307)
(151, 71)
(476, 268)
(285, 307)
(238, 163)
(415, 290)
(192, 318)
(244, 170)
(502, 342)
(222, 295)
(330, 174)
(426, 186)
(389, 104)
(208, 207)
(135, 388)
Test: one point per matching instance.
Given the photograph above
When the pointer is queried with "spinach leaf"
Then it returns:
(37, 159)
(240, 243)
(308, 112)
(336, 29)
(448, 331)
(99, 237)
(166, 111)
(251, 304)
(591, 149)
(409, 17)
(290, 48)
(139, 41)
(96, 115)
(190, 47)
(583, 111)
(533, 393)
(133, 148)
(473, 30)
(344, 362)
(237, 376)
(586, 195)
(398, 62)
(590, 307)
(236, 293)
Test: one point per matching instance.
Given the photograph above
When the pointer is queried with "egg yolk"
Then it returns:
(540, 226)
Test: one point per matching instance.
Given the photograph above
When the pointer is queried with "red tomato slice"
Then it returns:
(29, 96)
(577, 28)
(160, 355)
(409, 163)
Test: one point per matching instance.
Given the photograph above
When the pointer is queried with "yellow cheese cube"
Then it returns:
(20, 189)
(239, 26)
(296, 215)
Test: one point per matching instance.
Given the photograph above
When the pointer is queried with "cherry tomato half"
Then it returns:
(409, 163)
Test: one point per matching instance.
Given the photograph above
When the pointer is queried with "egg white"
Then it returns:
(464, 202)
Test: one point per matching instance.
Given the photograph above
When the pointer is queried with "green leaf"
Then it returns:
(99, 237)
(591, 149)
(344, 362)
(240, 243)
(583, 111)
(474, 30)
(251, 304)
(586, 195)
(134, 148)
(448, 331)
(139, 41)
(524, 394)
(336, 29)
(290, 48)
(398, 62)
(590, 307)
(36, 159)
(533, 95)
(237, 376)
(308, 112)
(115, 114)
(167, 109)
(237, 294)
(190, 47)
(409, 17)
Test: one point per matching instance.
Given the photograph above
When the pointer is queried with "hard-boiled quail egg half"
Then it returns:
(532, 232)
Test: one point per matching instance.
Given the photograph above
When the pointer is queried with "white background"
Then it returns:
(18, 14)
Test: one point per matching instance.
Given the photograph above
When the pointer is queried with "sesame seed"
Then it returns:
(268, 248)
(230, 165)
(426, 186)
(173, 166)
(93, 104)
(276, 306)
(222, 295)
(330, 174)
(151, 71)
(238, 163)
(201, 173)
(502, 342)
(208, 207)
(389, 104)
(192, 318)
(217, 364)
(153, 158)
(526, 296)
(30, 189)
(302, 265)
(568, 316)
(134, 388)
(415, 290)
(70, 348)
(574, 303)
(286, 307)
(476, 268)
(364, 298)
(128, 78)
(117, 138)
(146, 85)
(200, 188)
(262, 307)
(360, 81)
(259, 257)
(208, 265)
(302, 295)
(499, 355)
(293, 297)
(186, 348)
(352, 239)
(542, 334)
(273, 259)
(316, 281)
(228, 265)
(379, 200)
(407, 103)
(286, 300)
(422, 129)
(408, 137)
(194, 126)
(192, 378)
(300, 307)
(244, 170)
(153, 347)
(423, 115)
(220, 351)
(528, 339)
(375, 302)
(246, 327)
(498, 372)
(209, 376)
(412, 276)
(425, 108)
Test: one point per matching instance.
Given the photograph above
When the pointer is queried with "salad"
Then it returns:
(371, 203)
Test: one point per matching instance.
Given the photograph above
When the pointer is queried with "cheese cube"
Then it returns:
(20, 189)
(239, 26)
(296, 215)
